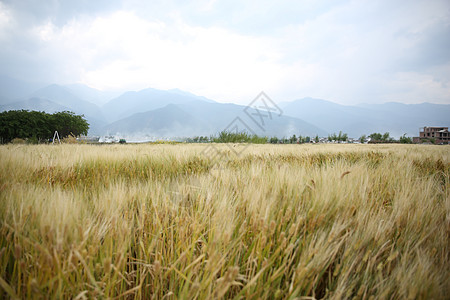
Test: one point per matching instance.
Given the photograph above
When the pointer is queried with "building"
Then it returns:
(438, 135)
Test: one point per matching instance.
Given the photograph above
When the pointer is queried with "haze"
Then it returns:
(345, 51)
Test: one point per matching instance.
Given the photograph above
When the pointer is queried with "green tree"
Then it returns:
(405, 140)
(255, 139)
(337, 138)
(376, 137)
(37, 126)
(293, 139)
(67, 123)
(237, 137)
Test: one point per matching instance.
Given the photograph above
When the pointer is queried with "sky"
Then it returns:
(348, 52)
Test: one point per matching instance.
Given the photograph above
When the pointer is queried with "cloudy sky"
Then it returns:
(344, 51)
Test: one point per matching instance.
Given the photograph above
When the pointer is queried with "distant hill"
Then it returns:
(193, 96)
(206, 118)
(35, 103)
(169, 121)
(219, 116)
(395, 118)
(65, 97)
(177, 113)
(130, 103)
(92, 95)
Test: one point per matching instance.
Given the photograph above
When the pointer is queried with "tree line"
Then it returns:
(229, 137)
(376, 138)
(243, 137)
(36, 126)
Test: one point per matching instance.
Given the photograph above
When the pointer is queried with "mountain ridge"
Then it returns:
(394, 117)
(214, 118)
(132, 102)
(203, 116)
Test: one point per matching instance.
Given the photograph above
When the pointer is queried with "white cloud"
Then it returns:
(349, 56)
(417, 87)
(348, 51)
(6, 21)
(123, 51)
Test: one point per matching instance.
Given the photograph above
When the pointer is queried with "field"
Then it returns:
(277, 221)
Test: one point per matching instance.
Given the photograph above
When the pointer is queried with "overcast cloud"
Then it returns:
(345, 51)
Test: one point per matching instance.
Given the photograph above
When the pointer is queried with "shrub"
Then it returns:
(18, 141)
(32, 140)
(238, 137)
(69, 140)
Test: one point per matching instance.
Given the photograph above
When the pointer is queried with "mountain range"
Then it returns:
(393, 117)
(176, 113)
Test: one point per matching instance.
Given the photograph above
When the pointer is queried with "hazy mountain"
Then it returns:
(169, 121)
(330, 116)
(395, 118)
(408, 118)
(220, 115)
(428, 113)
(13, 90)
(39, 104)
(34, 103)
(206, 118)
(130, 103)
(193, 96)
(178, 113)
(92, 95)
(65, 97)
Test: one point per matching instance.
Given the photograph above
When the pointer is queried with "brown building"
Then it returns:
(440, 135)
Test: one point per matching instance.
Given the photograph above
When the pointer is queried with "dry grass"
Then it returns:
(279, 221)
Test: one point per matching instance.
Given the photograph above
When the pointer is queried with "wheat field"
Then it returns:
(275, 222)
